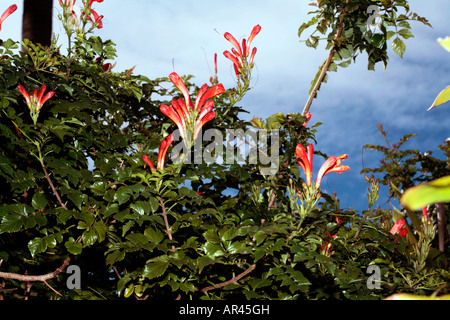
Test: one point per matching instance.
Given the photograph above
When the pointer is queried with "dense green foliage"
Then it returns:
(235, 233)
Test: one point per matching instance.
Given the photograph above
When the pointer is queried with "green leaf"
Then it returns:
(37, 245)
(442, 98)
(154, 204)
(11, 223)
(156, 267)
(122, 195)
(141, 207)
(89, 237)
(405, 33)
(399, 46)
(129, 290)
(154, 236)
(39, 202)
(427, 193)
(213, 250)
(72, 247)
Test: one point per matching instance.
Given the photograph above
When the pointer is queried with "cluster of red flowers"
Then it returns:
(35, 100)
(189, 117)
(96, 19)
(239, 54)
(305, 160)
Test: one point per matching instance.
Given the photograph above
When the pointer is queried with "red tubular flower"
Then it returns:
(332, 164)
(233, 41)
(205, 115)
(211, 92)
(24, 93)
(176, 80)
(92, 1)
(256, 29)
(149, 162)
(398, 227)
(97, 19)
(186, 115)
(305, 160)
(424, 211)
(170, 112)
(239, 55)
(165, 144)
(163, 147)
(7, 13)
(37, 99)
(308, 116)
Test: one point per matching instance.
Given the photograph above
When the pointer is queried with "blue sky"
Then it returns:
(164, 36)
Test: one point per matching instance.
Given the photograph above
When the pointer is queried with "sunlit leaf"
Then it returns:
(443, 97)
(427, 193)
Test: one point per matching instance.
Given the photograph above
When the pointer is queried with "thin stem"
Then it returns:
(53, 187)
(233, 280)
(324, 70)
(441, 226)
(166, 222)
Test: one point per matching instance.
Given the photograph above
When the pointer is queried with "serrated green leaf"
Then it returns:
(154, 204)
(204, 261)
(153, 235)
(11, 223)
(122, 195)
(399, 46)
(89, 237)
(73, 247)
(405, 33)
(155, 267)
(141, 207)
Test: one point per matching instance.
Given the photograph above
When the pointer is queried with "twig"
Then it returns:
(235, 279)
(166, 222)
(324, 70)
(41, 278)
(53, 187)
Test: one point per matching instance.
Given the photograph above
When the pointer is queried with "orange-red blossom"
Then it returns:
(37, 99)
(7, 13)
(188, 116)
(305, 160)
(164, 146)
(239, 54)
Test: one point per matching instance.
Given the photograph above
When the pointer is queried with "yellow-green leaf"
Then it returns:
(442, 98)
(427, 193)
(445, 43)
(399, 47)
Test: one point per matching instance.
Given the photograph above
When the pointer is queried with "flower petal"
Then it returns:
(149, 162)
(397, 226)
(212, 92)
(165, 144)
(176, 80)
(7, 13)
(233, 41)
(256, 29)
(25, 94)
